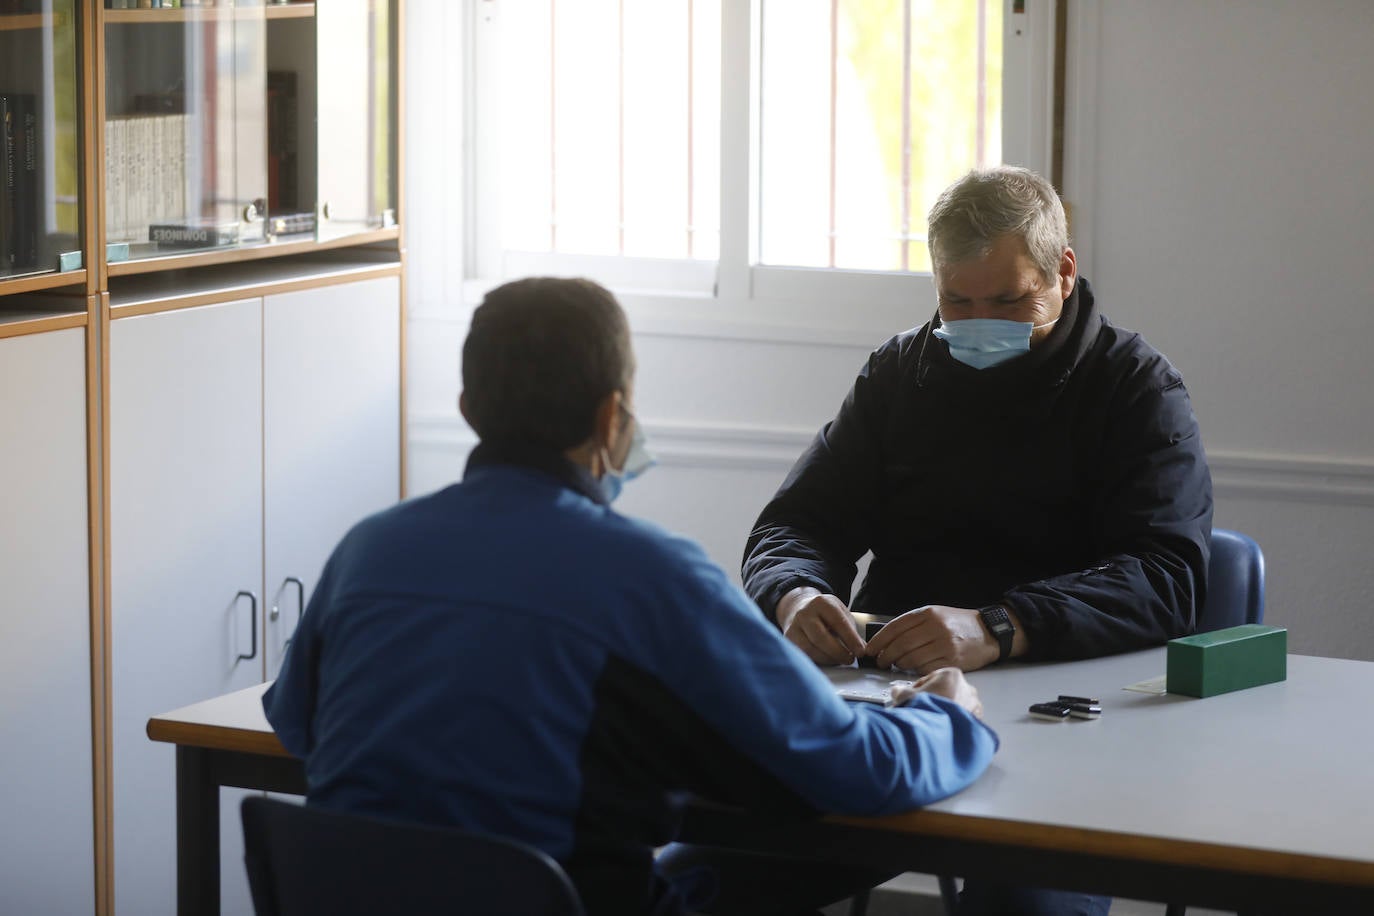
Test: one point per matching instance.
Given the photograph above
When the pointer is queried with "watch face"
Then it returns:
(996, 618)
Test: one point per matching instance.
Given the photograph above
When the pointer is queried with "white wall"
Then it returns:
(1225, 164)
(1222, 182)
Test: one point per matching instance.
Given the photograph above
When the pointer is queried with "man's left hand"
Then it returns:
(934, 636)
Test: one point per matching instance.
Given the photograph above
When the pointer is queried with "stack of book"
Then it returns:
(145, 173)
(19, 216)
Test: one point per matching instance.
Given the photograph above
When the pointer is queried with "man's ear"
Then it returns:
(463, 409)
(607, 425)
(1068, 272)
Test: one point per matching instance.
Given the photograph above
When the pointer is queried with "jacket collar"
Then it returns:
(1049, 364)
(537, 457)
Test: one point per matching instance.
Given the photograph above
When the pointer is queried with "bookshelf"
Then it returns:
(201, 294)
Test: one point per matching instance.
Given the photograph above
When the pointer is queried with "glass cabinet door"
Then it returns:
(40, 200)
(185, 128)
(356, 117)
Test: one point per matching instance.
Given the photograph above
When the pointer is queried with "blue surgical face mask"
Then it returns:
(637, 461)
(984, 342)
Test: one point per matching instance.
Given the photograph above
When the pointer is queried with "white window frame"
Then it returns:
(738, 296)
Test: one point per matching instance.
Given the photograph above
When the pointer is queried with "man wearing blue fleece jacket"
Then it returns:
(510, 655)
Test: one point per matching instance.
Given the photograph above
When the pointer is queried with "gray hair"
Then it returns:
(986, 204)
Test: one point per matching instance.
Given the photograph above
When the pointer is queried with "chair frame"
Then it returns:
(302, 859)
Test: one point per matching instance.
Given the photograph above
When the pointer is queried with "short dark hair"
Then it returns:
(540, 355)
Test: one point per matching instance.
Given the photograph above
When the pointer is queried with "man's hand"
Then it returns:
(819, 625)
(947, 682)
(935, 636)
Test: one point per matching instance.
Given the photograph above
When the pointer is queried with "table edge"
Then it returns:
(217, 737)
(1190, 854)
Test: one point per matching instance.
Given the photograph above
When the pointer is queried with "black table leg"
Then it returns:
(197, 834)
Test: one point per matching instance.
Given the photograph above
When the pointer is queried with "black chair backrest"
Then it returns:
(304, 860)
(1235, 582)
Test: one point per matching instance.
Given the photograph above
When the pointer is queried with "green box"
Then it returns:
(1206, 664)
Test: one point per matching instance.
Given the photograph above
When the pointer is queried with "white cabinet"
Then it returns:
(185, 564)
(331, 420)
(46, 829)
(246, 438)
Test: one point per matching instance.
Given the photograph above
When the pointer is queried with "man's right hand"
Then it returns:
(820, 625)
(946, 682)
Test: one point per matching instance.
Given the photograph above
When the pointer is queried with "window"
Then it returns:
(869, 108)
(607, 147)
(610, 141)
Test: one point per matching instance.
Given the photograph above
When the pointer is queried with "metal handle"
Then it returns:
(300, 605)
(254, 620)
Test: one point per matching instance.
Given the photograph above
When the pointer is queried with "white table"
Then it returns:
(1254, 798)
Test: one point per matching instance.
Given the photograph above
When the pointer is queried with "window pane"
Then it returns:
(609, 114)
(869, 109)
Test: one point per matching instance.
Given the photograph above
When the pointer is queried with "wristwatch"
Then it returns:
(998, 622)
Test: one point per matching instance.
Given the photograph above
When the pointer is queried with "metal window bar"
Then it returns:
(620, 126)
(980, 128)
(906, 135)
(553, 125)
(834, 90)
(691, 124)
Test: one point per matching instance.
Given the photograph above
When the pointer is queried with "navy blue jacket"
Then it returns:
(1069, 483)
(510, 655)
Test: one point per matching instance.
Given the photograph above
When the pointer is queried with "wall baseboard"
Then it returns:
(775, 448)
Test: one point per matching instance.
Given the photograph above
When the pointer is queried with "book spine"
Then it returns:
(9, 147)
(26, 242)
(119, 185)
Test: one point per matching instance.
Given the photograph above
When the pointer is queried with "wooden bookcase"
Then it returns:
(201, 387)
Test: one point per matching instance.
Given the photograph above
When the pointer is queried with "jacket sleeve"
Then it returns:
(762, 698)
(1153, 528)
(820, 521)
(290, 702)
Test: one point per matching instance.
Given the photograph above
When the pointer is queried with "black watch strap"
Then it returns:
(998, 622)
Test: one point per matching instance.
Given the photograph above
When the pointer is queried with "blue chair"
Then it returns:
(1235, 582)
(1235, 595)
(304, 861)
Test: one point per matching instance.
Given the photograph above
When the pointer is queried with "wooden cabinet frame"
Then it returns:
(92, 296)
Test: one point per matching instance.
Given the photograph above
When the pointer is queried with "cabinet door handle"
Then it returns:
(253, 620)
(300, 605)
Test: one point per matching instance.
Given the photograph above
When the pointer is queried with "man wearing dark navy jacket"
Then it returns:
(512, 656)
(1028, 476)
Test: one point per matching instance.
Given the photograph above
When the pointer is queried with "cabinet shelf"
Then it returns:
(20, 322)
(18, 22)
(36, 314)
(200, 13)
(291, 11)
(166, 290)
(27, 283)
(247, 253)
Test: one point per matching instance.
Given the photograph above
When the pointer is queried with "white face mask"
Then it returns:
(984, 342)
(637, 461)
